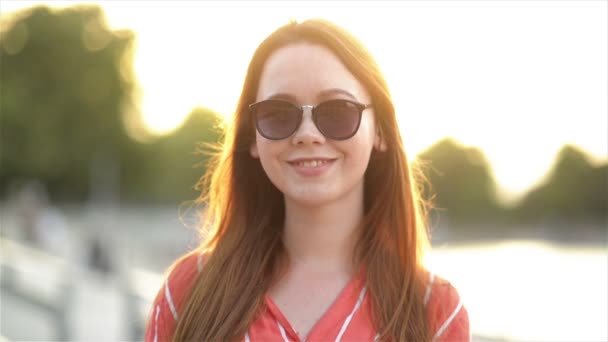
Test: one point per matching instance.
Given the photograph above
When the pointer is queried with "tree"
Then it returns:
(65, 79)
(573, 189)
(168, 168)
(460, 180)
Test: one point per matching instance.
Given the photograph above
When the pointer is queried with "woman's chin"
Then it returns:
(311, 197)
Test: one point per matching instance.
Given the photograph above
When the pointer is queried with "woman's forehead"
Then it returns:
(308, 72)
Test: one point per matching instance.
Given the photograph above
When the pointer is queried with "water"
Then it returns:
(530, 290)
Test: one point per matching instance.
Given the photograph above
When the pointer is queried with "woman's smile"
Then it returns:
(310, 167)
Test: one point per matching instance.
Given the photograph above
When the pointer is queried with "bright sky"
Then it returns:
(518, 79)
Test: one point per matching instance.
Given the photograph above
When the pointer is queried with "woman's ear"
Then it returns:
(253, 151)
(379, 142)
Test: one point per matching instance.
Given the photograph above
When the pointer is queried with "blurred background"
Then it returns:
(106, 106)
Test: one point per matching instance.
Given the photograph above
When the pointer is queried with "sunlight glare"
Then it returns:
(455, 69)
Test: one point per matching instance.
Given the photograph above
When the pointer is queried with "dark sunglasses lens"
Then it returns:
(276, 120)
(337, 119)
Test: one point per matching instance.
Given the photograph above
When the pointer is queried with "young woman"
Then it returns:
(315, 230)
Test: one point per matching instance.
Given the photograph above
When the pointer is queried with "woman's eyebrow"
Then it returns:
(335, 91)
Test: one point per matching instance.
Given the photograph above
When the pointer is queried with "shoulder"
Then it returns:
(447, 315)
(172, 297)
(182, 274)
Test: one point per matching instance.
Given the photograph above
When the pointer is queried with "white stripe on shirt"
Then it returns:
(170, 300)
(282, 330)
(448, 321)
(350, 317)
(156, 323)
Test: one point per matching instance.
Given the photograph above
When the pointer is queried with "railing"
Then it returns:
(48, 283)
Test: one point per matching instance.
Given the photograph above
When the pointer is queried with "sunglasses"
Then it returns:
(335, 119)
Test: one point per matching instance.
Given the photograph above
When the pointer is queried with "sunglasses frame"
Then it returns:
(360, 106)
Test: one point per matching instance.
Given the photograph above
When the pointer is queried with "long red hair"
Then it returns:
(245, 213)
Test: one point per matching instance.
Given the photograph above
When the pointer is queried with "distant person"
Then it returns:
(31, 199)
(316, 230)
(98, 256)
(42, 224)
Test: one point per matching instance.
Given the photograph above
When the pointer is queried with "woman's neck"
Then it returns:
(323, 238)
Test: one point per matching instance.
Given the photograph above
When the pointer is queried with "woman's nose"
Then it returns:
(307, 133)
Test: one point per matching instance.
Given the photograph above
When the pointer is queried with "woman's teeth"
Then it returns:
(311, 163)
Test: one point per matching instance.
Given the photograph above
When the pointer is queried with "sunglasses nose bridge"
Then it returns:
(307, 130)
(307, 107)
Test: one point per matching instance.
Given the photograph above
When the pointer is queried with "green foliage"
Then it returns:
(61, 98)
(574, 189)
(464, 189)
(461, 181)
(66, 78)
(169, 167)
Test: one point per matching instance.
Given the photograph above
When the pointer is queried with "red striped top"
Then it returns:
(347, 319)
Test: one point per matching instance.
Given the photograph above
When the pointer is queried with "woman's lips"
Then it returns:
(310, 167)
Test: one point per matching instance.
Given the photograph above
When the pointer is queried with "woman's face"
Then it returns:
(307, 167)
